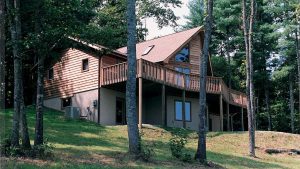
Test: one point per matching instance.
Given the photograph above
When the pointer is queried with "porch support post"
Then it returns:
(207, 118)
(140, 102)
(221, 112)
(228, 117)
(242, 119)
(231, 119)
(163, 105)
(183, 109)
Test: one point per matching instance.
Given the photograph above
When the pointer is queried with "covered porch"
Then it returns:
(158, 88)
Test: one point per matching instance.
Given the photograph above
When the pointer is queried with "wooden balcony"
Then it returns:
(151, 71)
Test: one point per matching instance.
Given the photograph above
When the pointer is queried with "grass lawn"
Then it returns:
(80, 144)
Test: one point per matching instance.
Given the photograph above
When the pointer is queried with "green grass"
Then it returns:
(81, 144)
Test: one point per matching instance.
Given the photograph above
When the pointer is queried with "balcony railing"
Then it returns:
(155, 72)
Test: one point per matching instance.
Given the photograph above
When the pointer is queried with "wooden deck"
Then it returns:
(151, 71)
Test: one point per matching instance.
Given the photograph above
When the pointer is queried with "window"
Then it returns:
(66, 102)
(148, 50)
(50, 74)
(183, 55)
(85, 64)
(178, 111)
(186, 71)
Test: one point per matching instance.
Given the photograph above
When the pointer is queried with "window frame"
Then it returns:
(88, 65)
(62, 102)
(48, 73)
(177, 100)
(189, 54)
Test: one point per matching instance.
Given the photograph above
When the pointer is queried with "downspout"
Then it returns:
(99, 85)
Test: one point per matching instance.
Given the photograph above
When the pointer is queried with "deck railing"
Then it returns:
(158, 73)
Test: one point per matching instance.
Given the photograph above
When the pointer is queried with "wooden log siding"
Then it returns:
(69, 77)
(155, 72)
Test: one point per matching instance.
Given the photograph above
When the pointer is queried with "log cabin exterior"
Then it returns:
(167, 85)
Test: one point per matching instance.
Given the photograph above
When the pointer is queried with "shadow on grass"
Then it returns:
(231, 161)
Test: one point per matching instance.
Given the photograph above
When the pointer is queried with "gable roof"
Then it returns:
(163, 47)
(98, 47)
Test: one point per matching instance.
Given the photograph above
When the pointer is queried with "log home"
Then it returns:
(167, 85)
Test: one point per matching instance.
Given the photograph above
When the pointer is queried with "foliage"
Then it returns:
(44, 151)
(147, 152)
(177, 144)
(84, 144)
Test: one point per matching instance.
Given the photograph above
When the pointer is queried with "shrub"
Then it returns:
(44, 150)
(147, 152)
(177, 144)
(41, 151)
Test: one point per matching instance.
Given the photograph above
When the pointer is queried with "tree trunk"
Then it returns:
(131, 113)
(19, 116)
(229, 77)
(201, 149)
(292, 109)
(267, 101)
(38, 140)
(2, 55)
(298, 64)
(39, 133)
(249, 67)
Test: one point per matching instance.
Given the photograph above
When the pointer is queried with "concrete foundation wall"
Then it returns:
(84, 100)
(53, 103)
(215, 122)
(108, 105)
(153, 113)
(171, 122)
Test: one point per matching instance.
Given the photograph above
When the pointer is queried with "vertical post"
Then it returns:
(183, 109)
(140, 102)
(163, 105)
(231, 120)
(100, 82)
(140, 71)
(207, 118)
(228, 117)
(221, 112)
(242, 120)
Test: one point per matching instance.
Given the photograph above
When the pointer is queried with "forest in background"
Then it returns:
(46, 26)
(275, 41)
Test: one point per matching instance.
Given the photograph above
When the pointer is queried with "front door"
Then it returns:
(120, 111)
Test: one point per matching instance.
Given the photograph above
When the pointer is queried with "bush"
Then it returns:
(177, 144)
(147, 152)
(41, 151)
(5, 147)
(44, 150)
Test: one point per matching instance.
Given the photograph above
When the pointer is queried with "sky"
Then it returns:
(153, 29)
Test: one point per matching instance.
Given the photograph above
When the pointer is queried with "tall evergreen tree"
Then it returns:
(201, 149)
(2, 54)
(19, 113)
(248, 33)
(131, 115)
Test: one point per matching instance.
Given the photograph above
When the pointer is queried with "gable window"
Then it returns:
(179, 113)
(85, 65)
(66, 102)
(50, 74)
(183, 55)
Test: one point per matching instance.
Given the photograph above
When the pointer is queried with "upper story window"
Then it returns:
(50, 74)
(179, 113)
(183, 55)
(85, 65)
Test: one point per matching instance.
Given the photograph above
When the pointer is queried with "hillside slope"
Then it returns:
(82, 144)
